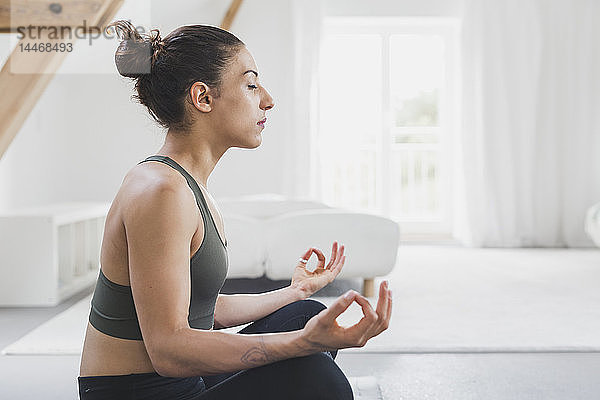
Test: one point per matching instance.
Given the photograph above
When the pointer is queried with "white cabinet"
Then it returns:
(49, 253)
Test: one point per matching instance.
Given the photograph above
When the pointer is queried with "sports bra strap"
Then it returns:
(204, 210)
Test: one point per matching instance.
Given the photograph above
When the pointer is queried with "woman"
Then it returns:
(153, 329)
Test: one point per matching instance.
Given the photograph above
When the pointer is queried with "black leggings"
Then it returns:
(316, 376)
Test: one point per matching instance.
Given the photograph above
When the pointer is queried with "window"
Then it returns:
(387, 110)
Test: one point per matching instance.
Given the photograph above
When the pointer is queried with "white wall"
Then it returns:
(85, 133)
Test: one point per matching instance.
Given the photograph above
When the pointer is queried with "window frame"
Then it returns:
(449, 109)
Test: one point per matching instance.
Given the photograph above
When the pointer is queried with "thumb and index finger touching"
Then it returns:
(335, 255)
(319, 253)
(342, 303)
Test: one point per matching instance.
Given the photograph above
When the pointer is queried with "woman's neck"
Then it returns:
(193, 153)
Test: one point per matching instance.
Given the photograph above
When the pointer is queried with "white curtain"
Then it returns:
(528, 166)
(301, 157)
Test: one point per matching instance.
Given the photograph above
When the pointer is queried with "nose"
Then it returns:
(266, 101)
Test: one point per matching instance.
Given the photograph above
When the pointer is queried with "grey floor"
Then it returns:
(548, 376)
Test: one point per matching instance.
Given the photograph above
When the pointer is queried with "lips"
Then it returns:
(262, 122)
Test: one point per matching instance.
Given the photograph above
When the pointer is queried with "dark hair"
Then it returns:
(165, 69)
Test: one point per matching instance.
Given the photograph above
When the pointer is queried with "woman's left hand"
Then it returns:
(310, 282)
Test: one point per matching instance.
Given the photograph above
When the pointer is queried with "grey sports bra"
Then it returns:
(113, 310)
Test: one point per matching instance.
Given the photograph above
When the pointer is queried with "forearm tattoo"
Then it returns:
(257, 355)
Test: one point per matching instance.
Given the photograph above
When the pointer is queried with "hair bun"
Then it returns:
(135, 54)
(134, 58)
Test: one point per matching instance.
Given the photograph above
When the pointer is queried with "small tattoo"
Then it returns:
(257, 355)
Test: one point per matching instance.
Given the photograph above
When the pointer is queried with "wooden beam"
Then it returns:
(230, 15)
(23, 13)
(20, 91)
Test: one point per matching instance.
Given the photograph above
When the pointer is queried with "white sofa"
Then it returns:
(267, 234)
(592, 223)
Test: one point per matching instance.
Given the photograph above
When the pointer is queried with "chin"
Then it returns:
(251, 144)
(257, 141)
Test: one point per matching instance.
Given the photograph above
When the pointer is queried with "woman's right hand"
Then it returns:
(322, 332)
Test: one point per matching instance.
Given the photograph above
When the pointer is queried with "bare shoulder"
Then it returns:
(155, 195)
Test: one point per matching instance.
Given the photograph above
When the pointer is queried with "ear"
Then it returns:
(201, 96)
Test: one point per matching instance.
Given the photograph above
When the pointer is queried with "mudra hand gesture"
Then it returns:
(310, 282)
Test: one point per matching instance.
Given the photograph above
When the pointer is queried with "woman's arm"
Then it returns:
(159, 233)
(238, 309)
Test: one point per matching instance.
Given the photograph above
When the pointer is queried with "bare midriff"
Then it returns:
(107, 355)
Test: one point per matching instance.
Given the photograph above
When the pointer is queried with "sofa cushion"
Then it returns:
(371, 241)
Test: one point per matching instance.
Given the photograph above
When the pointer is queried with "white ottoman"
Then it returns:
(244, 218)
(371, 242)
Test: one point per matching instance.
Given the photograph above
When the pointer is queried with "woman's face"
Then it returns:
(239, 112)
